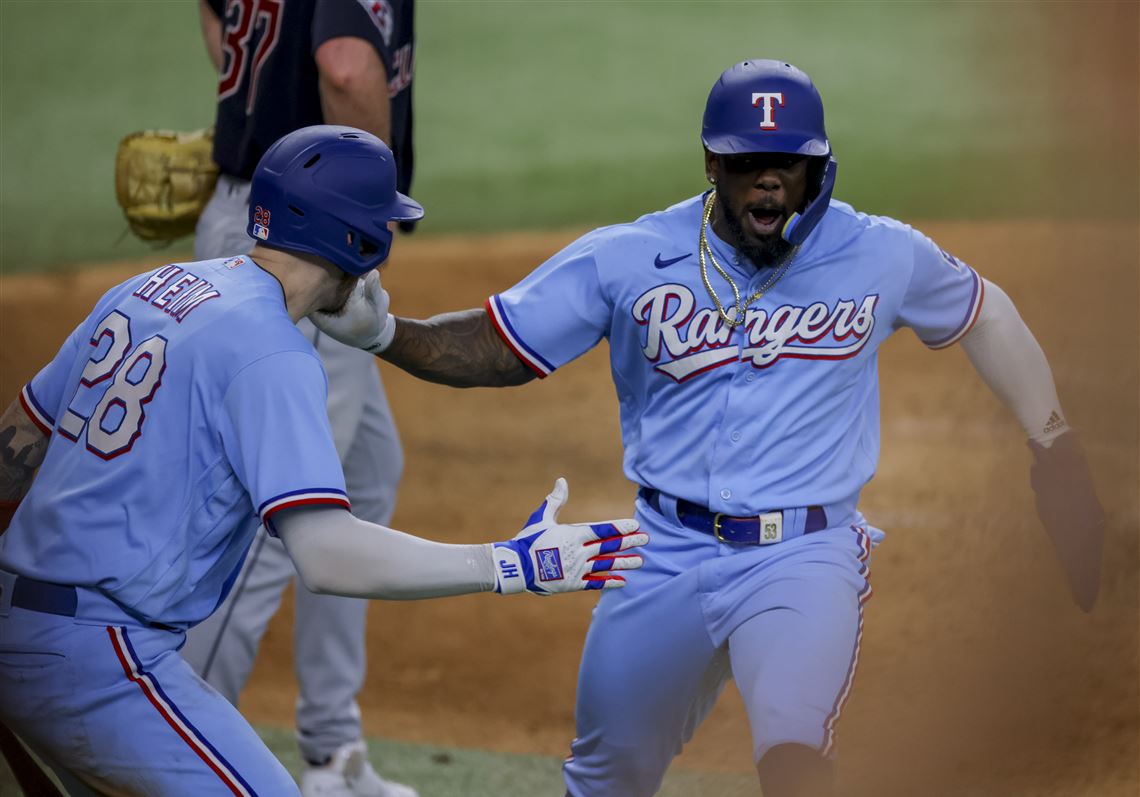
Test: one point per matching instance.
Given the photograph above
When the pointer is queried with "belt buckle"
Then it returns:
(716, 526)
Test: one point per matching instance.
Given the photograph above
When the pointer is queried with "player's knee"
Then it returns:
(604, 770)
(796, 770)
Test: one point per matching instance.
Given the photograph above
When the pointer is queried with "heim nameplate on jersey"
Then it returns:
(698, 340)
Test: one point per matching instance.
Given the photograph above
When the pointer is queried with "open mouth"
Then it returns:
(765, 221)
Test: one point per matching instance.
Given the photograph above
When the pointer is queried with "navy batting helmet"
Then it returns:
(771, 106)
(329, 190)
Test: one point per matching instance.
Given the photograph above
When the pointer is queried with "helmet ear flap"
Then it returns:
(816, 171)
(799, 226)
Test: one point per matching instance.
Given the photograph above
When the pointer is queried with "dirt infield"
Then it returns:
(977, 674)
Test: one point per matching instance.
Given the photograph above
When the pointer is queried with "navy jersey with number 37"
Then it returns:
(268, 85)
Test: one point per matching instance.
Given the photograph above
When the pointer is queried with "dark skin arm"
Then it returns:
(457, 349)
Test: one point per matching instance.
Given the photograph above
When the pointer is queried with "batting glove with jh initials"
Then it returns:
(548, 557)
(364, 322)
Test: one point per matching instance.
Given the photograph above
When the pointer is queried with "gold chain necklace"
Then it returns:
(737, 317)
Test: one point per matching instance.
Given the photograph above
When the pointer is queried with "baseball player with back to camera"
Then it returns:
(184, 411)
(341, 62)
(743, 327)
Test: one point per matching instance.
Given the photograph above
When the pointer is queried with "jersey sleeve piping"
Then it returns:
(502, 324)
(296, 498)
(976, 299)
(36, 412)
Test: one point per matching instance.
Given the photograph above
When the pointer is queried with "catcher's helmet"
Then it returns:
(771, 106)
(329, 190)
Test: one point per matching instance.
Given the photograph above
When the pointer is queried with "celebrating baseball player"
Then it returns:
(743, 327)
(184, 411)
(308, 62)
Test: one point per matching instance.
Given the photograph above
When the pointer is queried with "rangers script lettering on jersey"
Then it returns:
(786, 331)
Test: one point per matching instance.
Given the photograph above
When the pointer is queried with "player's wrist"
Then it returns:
(513, 570)
(384, 338)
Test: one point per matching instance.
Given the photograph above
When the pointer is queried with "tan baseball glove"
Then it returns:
(163, 179)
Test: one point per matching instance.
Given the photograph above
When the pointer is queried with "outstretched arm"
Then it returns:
(460, 349)
(1006, 355)
(1010, 361)
(339, 554)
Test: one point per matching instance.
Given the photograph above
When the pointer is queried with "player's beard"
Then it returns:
(771, 250)
(344, 290)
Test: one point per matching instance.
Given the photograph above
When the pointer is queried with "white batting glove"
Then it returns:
(548, 557)
(365, 322)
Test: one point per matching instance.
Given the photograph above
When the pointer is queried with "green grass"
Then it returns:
(449, 772)
(556, 114)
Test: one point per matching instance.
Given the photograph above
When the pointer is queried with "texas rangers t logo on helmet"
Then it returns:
(767, 96)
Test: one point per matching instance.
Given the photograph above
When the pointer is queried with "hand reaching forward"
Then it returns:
(548, 557)
(364, 322)
(1070, 512)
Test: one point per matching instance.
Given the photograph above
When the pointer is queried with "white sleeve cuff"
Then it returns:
(1010, 361)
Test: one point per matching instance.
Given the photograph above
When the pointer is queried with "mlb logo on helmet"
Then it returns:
(261, 223)
(549, 564)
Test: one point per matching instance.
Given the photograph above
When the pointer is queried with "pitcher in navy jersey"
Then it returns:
(282, 65)
(744, 326)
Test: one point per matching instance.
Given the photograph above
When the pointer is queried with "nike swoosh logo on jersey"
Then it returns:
(657, 261)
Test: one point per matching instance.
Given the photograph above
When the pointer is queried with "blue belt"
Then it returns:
(43, 596)
(63, 600)
(728, 528)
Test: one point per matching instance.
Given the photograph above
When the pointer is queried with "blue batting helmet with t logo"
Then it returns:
(771, 106)
(330, 191)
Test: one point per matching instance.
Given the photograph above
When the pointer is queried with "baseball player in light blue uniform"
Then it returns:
(743, 327)
(184, 411)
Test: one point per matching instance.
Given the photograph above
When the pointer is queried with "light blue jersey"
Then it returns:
(185, 410)
(782, 411)
(751, 445)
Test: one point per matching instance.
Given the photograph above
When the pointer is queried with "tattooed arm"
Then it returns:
(22, 448)
(458, 349)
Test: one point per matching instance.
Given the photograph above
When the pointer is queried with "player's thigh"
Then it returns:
(37, 682)
(163, 730)
(794, 662)
(223, 647)
(329, 645)
(649, 675)
(374, 462)
(119, 710)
